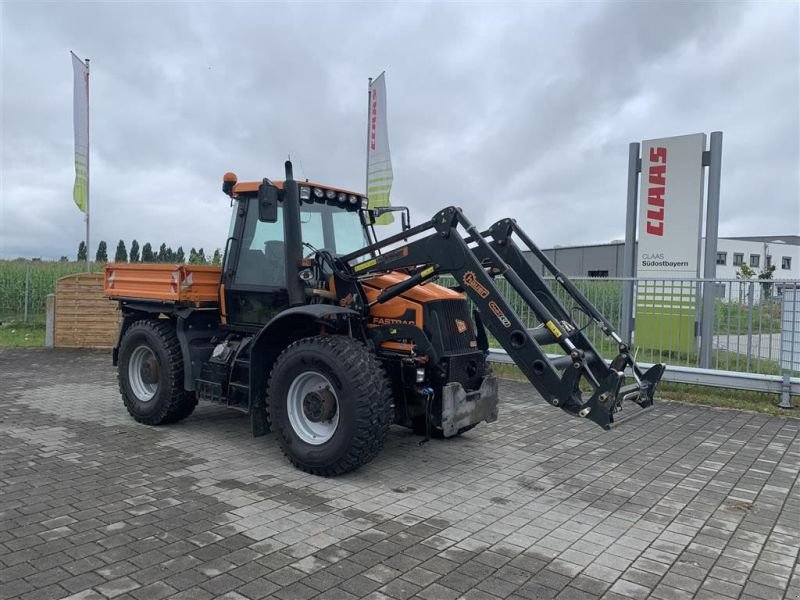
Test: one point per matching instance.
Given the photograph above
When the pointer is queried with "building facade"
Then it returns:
(757, 252)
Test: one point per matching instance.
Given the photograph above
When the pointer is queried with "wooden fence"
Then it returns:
(84, 317)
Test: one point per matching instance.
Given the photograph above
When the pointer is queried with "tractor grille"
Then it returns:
(455, 329)
(466, 369)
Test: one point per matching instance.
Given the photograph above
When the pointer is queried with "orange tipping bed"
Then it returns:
(165, 282)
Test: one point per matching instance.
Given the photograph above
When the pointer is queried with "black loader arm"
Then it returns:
(474, 261)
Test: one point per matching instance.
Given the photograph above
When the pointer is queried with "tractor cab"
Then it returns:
(265, 250)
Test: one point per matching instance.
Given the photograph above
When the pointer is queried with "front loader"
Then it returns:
(327, 335)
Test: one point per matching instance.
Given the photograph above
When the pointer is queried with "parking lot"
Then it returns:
(686, 501)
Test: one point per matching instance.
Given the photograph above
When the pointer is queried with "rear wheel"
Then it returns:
(151, 374)
(330, 404)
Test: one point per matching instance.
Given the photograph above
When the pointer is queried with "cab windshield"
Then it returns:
(331, 228)
(322, 226)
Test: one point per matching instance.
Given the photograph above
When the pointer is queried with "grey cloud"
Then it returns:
(503, 109)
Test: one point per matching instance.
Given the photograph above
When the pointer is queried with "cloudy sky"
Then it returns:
(504, 109)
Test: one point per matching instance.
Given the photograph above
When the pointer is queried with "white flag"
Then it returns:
(379, 162)
(80, 113)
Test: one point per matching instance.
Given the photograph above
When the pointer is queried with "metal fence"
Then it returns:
(746, 327)
(745, 333)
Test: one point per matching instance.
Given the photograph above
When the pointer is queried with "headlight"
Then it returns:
(330, 194)
(342, 197)
(305, 192)
(420, 375)
(353, 199)
(319, 192)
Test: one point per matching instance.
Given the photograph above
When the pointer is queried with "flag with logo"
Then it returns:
(379, 162)
(80, 114)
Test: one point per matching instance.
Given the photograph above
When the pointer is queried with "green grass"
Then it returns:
(732, 317)
(14, 335)
(693, 394)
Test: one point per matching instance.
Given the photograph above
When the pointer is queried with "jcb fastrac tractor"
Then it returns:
(324, 333)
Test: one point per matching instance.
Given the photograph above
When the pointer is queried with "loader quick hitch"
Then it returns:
(605, 407)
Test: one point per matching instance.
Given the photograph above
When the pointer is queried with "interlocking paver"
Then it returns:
(688, 502)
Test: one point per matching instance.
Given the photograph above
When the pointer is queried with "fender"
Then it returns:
(191, 325)
(290, 325)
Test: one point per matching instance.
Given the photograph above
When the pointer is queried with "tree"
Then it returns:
(179, 255)
(745, 272)
(121, 255)
(82, 252)
(170, 254)
(192, 256)
(134, 257)
(102, 252)
(201, 257)
(766, 280)
(217, 259)
(162, 253)
(147, 253)
(63, 259)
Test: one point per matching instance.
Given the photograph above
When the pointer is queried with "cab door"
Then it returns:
(254, 273)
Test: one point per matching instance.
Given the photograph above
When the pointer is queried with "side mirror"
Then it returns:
(371, 215)
(267, 202)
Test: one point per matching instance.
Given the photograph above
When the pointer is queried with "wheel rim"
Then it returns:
(313, 408)
(143, 373)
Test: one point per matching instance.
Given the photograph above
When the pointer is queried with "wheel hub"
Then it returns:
(312, 407)
(143, 373)
(149, 371)
(319, 405)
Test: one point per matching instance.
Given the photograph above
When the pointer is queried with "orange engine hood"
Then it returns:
(425, 292)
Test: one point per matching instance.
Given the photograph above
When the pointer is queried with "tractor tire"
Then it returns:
(150, 374)
(329, 404)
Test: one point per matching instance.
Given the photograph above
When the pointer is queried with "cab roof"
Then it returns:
(251, 187)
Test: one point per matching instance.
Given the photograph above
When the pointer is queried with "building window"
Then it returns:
(786, 263)
(755, 260)
(598, 273)
(768, 262)
(738, 259)
(722, 258)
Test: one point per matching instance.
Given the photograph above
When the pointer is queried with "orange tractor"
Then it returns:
(324, 333)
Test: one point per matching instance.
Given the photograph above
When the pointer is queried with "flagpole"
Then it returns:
(369, 116)
(88, 260)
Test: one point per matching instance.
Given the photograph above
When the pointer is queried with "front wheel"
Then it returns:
(330, 404)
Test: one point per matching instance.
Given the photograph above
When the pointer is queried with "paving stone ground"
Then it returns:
(685, 502)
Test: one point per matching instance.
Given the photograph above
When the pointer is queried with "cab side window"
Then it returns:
(262, 259)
